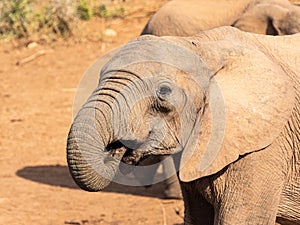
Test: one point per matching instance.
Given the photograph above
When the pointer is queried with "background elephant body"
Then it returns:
(238, 167)
(184, 18)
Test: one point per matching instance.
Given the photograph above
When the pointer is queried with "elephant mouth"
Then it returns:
(136, 153)
(128, 155)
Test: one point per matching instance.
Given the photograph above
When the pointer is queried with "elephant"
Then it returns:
(185, 18)
(223, 104)
(249, 20)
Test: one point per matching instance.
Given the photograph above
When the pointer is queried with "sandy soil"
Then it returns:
(36, 100)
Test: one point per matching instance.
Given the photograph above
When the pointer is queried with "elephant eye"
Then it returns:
(163, 92)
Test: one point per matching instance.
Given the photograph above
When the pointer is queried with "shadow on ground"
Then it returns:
(58, 175)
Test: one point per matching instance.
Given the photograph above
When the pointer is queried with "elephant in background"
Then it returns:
(226, 101)
(271, 17)
(184, 18)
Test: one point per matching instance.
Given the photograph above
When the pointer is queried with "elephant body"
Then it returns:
(223, 198)
(225, 101)
(184, 18)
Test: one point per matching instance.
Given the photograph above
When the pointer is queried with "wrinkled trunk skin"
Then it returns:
(90, 165)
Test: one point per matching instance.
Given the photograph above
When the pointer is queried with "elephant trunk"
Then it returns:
(90, 163)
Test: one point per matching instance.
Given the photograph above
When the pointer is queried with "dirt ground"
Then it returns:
(36, 100)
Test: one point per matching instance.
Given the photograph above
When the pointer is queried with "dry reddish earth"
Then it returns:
(36, 112)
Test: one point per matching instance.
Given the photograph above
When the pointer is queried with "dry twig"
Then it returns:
(31, 58)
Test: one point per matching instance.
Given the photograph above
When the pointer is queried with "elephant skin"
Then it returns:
(185, 18)
(225, 101)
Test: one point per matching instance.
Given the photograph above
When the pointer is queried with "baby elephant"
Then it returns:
(224, 102)
(184, 18)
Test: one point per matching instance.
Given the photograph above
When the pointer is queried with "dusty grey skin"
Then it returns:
(253, 177)
(185, 18)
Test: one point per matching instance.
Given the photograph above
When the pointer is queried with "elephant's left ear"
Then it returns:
(250, 101)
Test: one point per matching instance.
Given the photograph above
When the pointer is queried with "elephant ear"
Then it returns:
(249, 101)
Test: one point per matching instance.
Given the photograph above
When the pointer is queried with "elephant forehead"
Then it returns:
(161, 51)
(148, 69)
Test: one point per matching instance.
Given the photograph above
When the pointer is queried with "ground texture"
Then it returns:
(38, 84)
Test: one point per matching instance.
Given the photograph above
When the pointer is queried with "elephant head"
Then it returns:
(271, 18)
(162, 95)
(137, 110)
(289, 22)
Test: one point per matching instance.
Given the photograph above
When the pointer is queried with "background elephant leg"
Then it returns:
(172, 188)
(171, 184)
(149, 173)
(197, 210)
